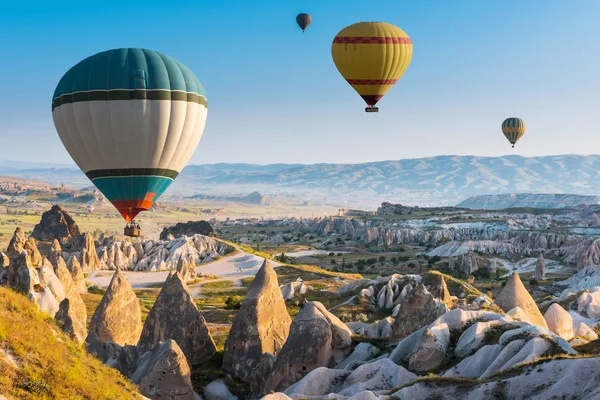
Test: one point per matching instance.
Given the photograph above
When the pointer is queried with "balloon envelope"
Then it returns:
(130, 119)
(513, 129)
(371, 56)
(303, 20)
(90, 208)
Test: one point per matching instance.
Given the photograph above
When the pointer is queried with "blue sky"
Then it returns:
(275, 95)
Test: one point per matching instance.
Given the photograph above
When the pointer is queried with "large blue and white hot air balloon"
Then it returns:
(130, 119)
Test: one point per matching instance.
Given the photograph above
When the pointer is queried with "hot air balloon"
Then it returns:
(130, 119)
(513, 128)
(90, 208)
(371, 56)
(303, 20)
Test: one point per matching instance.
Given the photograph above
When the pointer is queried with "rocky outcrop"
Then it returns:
(540, 268)
(17, 243)
(190, 228)
(175, 316)
(164, 373)
(88, 258)
(118, 316)
(75, 270)
(514, 295)
(316, 339)
(431, 349)
(56, 224)
(440, 291)
(152, 255)
(34, 254)
(492, 267)
(418, 309)
(261, 326)
(74, 312)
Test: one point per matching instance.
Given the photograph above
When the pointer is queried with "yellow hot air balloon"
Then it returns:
(371, 56)
(513, 128)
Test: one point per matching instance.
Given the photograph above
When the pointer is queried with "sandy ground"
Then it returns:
(233, 267)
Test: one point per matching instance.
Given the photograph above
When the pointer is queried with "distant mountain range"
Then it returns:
(526, 200)
(442, 180)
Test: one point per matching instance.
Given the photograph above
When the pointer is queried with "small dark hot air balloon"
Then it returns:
(303, 20)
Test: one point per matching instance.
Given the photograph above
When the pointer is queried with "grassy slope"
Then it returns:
(48, 364)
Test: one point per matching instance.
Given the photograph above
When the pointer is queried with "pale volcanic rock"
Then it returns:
(49, 279)
(75, 310)
(540, 268)
(310, 345)
(431, 350)
(88, 257)
(418, 309)
(118, 316)
(514, 295)
(261, 325)
(34, 254)
(559, 321)
(440, 291)
(17, 243)
(175, 316)
(164, 373)
(74, 268)
(56, 224)
(584, 331)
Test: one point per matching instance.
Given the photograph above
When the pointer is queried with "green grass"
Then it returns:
(225, 284)
(51, 364)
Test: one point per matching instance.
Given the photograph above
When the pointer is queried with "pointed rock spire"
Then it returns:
(118, 316)
(175, 316)
(17, 243)
(418, 309)
(440, 291)
(89, 259)
(540, 268)
(77, 274)
(261, 326)
(514, 295)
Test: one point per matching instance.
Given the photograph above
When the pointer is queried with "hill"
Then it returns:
(442, 180)
(38, 361)
(526, 200)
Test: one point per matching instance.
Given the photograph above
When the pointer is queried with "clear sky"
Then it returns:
(275, 95)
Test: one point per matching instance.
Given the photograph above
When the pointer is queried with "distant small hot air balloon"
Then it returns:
(90, 208)
(131, 119)
(514, 129)
(303, 20)
(371, 56)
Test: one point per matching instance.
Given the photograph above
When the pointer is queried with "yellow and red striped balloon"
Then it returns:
(372, 56)
(513, 129)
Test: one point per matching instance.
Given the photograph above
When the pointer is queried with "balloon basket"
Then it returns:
(372, 109)
(131, 231)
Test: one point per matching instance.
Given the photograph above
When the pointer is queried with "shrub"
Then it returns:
(233, 302)
(533, 281)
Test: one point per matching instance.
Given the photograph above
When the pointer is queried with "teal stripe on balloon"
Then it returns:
(132, 187)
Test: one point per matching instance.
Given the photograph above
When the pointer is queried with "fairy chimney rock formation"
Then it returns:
(17, 243)
(175, 316)
(56, 224)
(88, 258)
(440, 291)
(315, 337)
(514, 295)
(540, 268)
(164, 373)
(74, 311)
(261, 326)
(74, 268)
(118, 317)
(418, 309)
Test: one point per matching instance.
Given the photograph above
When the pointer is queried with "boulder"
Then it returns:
(474, 366)
(56, 224)
(118, 316)
(473, 338)
(49, 280)
(362, 352)
(261, 326)
(175, 316)
(187, 229)
(514, 295)
(431, 350)
(418, 309)
(559, 321)
(588, 304)
(584, 331)
(125, 359)
(540, 268)
(164, 373)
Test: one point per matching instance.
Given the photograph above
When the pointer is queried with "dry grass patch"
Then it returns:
(50, 365)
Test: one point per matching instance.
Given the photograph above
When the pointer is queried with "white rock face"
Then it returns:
(161, 255)
(519, 315)
(375, 377)
(431, 350)
(474, 366)
(362, 353)
(290, 289)
(217, 390)
(584, 331)
(588, 304)
(473, 338)
(559, 321)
